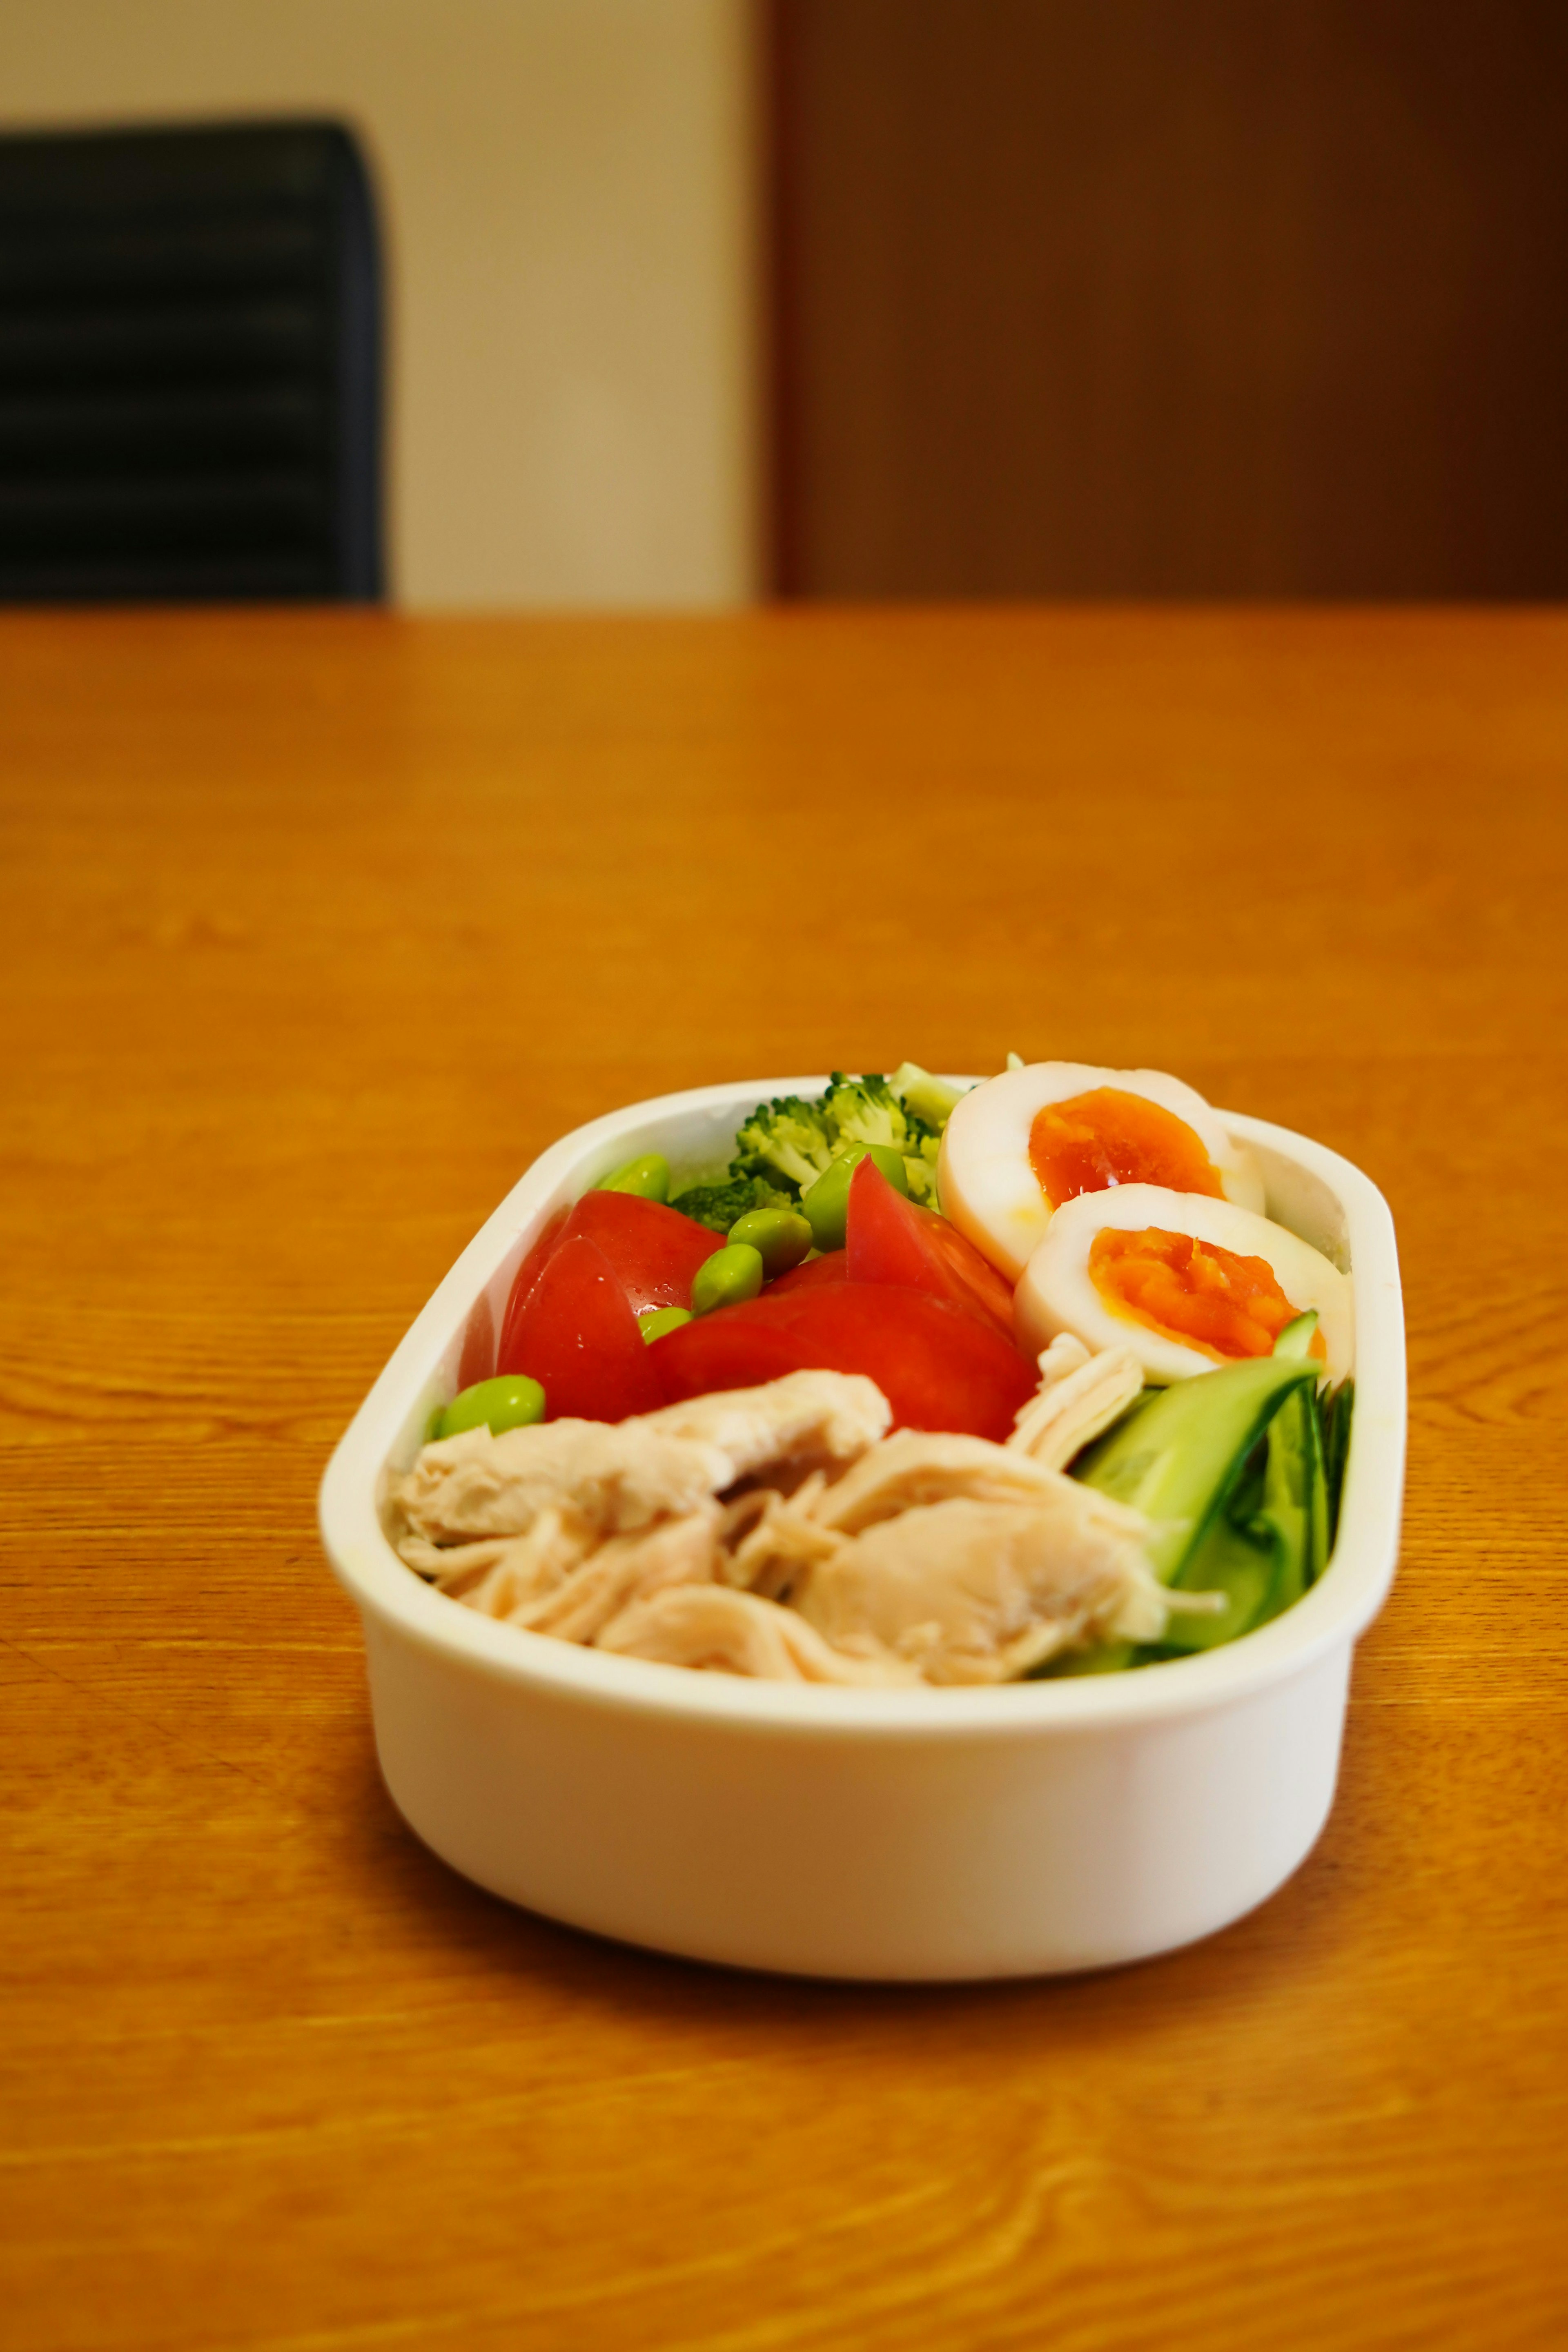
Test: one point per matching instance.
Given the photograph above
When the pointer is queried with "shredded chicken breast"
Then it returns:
(1079, 1396)
(608, 1477)
(708, 1626)
(974, 1592)
(613, 1476)
(801, 1421)
(780, 1532)
(917, 1468)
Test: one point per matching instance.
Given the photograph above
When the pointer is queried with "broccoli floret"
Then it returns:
(864, 1110)
(931, 1100)
(785, 1138)
(786, 1144)
(920, 1170)
(718, 1204)
(867, 1110)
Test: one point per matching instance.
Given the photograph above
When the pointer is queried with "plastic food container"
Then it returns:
(921, 1834)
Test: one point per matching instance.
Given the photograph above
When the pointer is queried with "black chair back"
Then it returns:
(190, 365)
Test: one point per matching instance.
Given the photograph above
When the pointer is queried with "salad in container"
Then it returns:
(888, 1526)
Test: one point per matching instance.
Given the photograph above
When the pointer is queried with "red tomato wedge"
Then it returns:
(576, 1335)
(652, 1251)
(542, 1251)
(831, 1268)
(938, 1365)
(889, 1239)
(478, 1360)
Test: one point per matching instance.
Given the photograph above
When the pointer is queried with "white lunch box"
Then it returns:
(850, 1832)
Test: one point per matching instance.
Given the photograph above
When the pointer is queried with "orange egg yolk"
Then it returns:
(1193, 1292)
(1094, 1140)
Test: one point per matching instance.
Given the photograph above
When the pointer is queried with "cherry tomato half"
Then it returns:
(652, 1251)
(889, 1239)
(655, 1250)
(576, 1335)
(832, 1266)
(940, 1365)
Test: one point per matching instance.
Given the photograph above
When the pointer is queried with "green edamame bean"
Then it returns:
(658, 1320)
(827, 1204)
(781, 1236)
(730, 1275)
(649, 1178)
(512, 1401)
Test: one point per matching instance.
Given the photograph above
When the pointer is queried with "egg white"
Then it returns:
(984, 1178)
(1057, 1292)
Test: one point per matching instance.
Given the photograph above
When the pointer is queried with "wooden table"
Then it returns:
(315, 931)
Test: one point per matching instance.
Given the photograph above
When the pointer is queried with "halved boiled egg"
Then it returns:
(1185, 1282)
(1020, 1145)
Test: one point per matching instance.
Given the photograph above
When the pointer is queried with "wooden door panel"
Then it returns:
(1142, 298)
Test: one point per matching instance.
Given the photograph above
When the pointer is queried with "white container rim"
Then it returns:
(1336, 1610)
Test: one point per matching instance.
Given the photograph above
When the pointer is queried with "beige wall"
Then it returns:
(567, 199)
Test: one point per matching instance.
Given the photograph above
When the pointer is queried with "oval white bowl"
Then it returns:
(920, 1834)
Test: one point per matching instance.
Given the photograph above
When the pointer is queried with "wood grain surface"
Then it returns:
(315, 931)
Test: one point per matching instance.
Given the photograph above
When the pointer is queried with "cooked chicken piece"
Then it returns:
(917, 1466)
(932, 1557)
(504, 1574)
(706, 1625)
(455, 1565)
(978, 1591)
(616, 1476)
(624, 1569)
(770, 1540)
(803, 1419)
(613, 1476)
(1075, 1405)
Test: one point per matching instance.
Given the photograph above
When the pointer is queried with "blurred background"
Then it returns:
(688, 302)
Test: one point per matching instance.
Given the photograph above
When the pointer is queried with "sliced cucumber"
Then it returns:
(1105, 1658)
(1270, 1540)
(1179, 1453)
(1335, 1412)
(1295, 1509)
(1244, 1566)
(1297, 1338)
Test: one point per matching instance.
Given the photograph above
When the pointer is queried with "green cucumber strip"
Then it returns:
(1177, 1457)
(1242, 1564)
(1105, 1658)
(1295, 1509)
(1335, 1412)
(1271, 1540)
(1297, 1338)
(1296, 1495)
